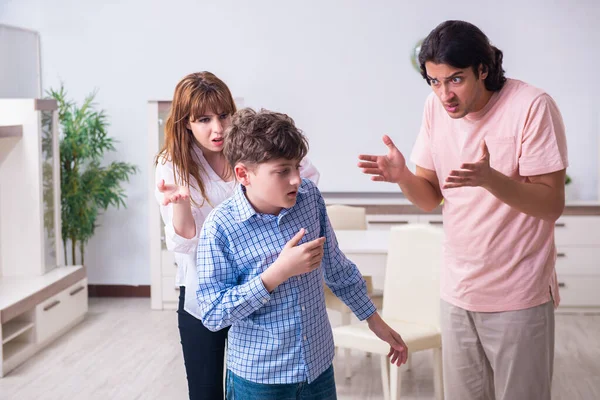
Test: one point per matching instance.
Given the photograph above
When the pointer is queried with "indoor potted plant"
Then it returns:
(87, 186)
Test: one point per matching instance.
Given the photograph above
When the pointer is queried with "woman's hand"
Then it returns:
(173, 193)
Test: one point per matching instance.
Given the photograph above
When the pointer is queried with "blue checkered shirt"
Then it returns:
(280, 337)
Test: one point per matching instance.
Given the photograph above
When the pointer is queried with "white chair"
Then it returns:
(347, 217)
(411, 305)
(344, 217)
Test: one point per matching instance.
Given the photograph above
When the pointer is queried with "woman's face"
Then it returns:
(208, 130)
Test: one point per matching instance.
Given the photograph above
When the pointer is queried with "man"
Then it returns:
(494, 150)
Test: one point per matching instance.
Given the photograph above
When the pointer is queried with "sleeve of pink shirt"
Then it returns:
(544, 143)
(421, 153)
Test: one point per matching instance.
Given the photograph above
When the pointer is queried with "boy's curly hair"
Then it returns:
(257, 137)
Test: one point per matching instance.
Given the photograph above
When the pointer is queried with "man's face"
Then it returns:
(459, 90)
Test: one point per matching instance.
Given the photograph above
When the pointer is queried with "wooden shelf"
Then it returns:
(13, 329)
(11, 131)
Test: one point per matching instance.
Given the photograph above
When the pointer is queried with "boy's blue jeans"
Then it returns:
(323, 388)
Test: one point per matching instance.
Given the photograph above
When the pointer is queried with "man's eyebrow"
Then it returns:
(447, 78)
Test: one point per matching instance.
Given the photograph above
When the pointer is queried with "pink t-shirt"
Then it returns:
(495, 257)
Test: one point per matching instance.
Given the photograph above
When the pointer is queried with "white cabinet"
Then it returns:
(581, 261)
(386, 221)
(57, 313)
(38, 310)
(170, 291)
(579, 291)
(168, 264)
(431, 219)
(578, 260)
(163, 291)
(578, 231)
(18, 341)
(30, 228)
(40, 298)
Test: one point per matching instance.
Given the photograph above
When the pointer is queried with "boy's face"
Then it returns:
(459, 90)
(272, 185)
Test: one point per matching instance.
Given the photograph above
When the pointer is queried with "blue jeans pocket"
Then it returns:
(229, 386)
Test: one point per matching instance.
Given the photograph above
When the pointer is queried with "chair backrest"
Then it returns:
(347, 217)
(411, 289)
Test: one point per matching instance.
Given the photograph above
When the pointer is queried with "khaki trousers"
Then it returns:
(501, 355)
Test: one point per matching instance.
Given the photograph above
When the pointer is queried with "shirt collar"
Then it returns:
(243, 207)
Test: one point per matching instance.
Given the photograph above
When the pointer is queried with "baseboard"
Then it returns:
(592, 310)
(119, 291)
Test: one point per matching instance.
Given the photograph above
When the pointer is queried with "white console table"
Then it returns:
(368, 250)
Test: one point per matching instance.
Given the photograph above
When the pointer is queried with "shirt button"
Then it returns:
(302, 308)
(298, 278)
(305, 338)
(265, 301)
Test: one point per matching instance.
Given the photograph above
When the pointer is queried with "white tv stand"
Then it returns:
(40, 298)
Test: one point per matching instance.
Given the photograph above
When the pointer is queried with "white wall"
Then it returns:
(20, 74)
(341, 69)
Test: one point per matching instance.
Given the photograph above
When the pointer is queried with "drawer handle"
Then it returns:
(559, 224)
(389, 222)
(436, 222)
(561, 284)
(561, 254)
(177, 288)
(79, 289)
(175, 264)
(52, 305)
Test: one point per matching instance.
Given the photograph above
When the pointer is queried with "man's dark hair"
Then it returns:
(462, 45)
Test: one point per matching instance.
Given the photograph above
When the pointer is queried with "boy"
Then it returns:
(261, 260)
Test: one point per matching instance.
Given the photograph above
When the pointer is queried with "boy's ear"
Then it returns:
(242, 173)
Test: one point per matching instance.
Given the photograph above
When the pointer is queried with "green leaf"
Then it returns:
(88, 187)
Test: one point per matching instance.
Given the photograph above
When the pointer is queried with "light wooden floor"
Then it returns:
(123, 350)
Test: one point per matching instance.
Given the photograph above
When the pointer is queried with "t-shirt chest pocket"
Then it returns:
(502, 154)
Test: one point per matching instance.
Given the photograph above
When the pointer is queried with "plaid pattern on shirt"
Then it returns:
(284, 336)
